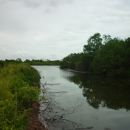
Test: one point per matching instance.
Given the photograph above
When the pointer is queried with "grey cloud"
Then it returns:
(51, 29)
(53, 56)
(9, 54)
(44, 3)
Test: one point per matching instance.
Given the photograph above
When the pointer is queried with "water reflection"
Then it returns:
(102, 92)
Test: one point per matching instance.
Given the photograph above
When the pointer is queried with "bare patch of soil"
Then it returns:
(35, 124)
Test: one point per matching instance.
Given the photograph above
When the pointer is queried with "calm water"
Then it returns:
(105, 101)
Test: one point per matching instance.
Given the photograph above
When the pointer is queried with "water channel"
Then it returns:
(105, 101)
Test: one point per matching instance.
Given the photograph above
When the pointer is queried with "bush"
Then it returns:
(17, 92)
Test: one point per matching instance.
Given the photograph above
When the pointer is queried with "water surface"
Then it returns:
(105, 101)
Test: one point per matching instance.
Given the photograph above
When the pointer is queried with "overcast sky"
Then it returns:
(52, 29)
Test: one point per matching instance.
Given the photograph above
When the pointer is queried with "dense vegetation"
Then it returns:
(42, 62)
(102, 55)
(34, 61)
(18, 90)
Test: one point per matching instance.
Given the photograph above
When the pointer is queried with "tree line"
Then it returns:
(31, 62)
(102, 55)
(42, 62)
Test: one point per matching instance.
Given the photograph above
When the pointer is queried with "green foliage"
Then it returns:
(111, 59)
(94, 43)
(102, 55)
(1, 63)
(17, 92)
(31, 62)
(71, 61)
(42, 62)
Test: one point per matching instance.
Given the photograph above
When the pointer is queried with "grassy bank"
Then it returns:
(18, 89)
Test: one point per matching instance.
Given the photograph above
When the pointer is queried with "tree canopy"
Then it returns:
(102, 55)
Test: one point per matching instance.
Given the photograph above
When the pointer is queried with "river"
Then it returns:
(105, 102)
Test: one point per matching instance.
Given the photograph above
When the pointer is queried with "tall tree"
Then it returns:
(111, 58)
(94, 43)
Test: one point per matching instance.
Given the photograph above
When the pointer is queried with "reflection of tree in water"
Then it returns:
(54, 116)
(105, 92)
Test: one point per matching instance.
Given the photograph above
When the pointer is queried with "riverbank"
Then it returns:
(34, 122)
(19, 97)
(71, 70)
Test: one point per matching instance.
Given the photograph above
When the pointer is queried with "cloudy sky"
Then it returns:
(52, 29)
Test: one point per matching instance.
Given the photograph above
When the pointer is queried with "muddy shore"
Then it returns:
(35, 124)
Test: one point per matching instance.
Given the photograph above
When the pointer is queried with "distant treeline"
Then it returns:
(102, 55)
(32, 62)
(42, 62)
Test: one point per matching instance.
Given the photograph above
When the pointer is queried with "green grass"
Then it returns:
(17, 91)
